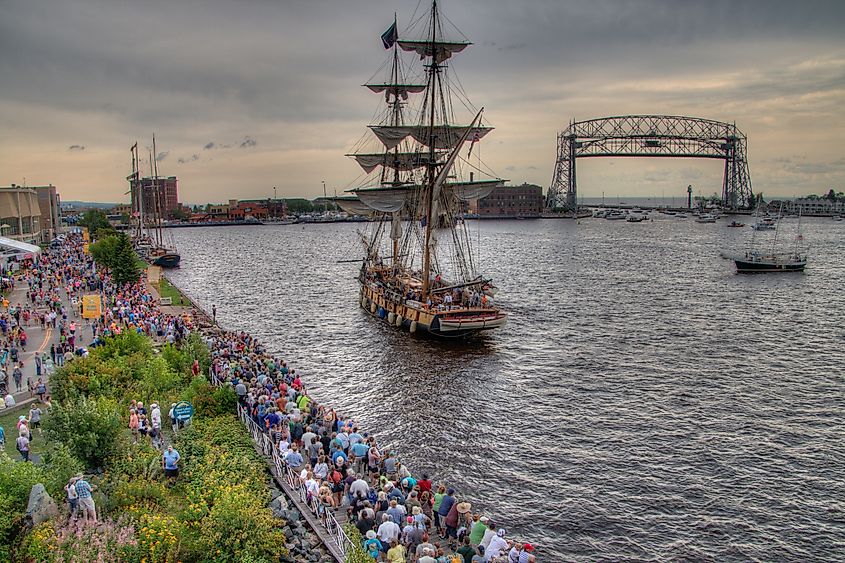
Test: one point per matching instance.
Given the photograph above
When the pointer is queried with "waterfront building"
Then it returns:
(163, 189)
(244, 209)
(51, 216)
(814, 206)
(20, 215)
(276, 208)
(524, 201)
(122, 209)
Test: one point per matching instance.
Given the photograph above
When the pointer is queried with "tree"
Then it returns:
(105, 250)
(124, 266)
(179, 215)
(88, 427)
(94, 219)
(299, 205)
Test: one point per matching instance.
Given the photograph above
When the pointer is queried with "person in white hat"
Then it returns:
(498, 546)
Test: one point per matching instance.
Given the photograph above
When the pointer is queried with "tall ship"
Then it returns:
(422, 164)
(147, 218)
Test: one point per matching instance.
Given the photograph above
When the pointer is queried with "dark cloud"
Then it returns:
(193, 158)
(545, 60)
(162, 155)
(76, 148)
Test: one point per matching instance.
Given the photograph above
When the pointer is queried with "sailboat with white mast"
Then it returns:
(420, 270)
(147, 214)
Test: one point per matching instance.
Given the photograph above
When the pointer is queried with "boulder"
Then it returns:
(41, 505)
(293, 515)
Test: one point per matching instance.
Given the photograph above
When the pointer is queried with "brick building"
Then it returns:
(165, 189)
(510, 202)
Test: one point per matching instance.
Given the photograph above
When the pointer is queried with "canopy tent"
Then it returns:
(23, 250)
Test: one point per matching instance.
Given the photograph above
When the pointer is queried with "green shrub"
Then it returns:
(237, 526)
(16, 480)
(127, 495)
(126, 343)
(60, 465)
(135, 461)
(158, 380)
(40, 543)
(226, 400)
(356, 554)
(10, 517)
(178, 359)
(88, 426)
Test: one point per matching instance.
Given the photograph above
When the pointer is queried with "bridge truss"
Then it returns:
(652, 136)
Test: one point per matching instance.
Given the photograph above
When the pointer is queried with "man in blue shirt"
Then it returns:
(169, 461)
(294, 458)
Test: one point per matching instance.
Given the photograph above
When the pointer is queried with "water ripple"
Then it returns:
(644, 402)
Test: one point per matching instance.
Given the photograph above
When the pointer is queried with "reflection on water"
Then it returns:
(643, 401)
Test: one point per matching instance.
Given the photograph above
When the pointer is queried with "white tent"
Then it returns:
(23, 250)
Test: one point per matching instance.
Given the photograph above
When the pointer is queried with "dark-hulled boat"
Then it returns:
(148, 236)
(758, 263)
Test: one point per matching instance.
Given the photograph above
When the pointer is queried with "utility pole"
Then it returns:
(275, 203)
(325, 202)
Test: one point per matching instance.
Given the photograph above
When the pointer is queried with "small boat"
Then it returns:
(759, 262)
(615, 216)
(735, 224)
(705, 218)
(756, 261)
(636, 218)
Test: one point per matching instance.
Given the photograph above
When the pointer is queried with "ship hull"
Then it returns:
(169, 260)
(453, 323)
(760, 267)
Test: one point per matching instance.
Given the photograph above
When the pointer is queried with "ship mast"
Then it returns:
(157, 194)
(430, 172)
(396, 117)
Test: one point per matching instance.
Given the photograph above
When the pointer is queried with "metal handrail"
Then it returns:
(283, 473)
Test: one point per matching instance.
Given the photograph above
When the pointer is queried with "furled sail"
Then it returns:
(403, 161)
(391, 199)
(468, 191)
(388, 200)
(399, 90)
(444, 136)
(439, 50)
(351, 204)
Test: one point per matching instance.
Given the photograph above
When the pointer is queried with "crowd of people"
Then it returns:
(402, 517)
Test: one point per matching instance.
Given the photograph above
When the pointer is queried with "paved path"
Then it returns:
(38, 341)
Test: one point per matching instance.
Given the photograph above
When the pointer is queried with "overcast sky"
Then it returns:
(244, 95)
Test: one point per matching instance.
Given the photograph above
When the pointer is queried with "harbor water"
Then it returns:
(643, 403)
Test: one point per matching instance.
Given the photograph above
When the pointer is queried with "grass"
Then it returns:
(166, 289)
(40, 444)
